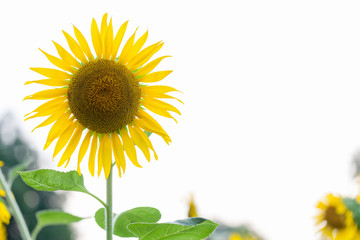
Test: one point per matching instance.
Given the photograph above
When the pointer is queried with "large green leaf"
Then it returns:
(135, 215)
(51, 180)
(189, 229)
(53, 217)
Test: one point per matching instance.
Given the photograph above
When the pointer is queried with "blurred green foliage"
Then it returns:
(13, 151)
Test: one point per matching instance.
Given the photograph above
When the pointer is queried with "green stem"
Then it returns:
(35, 232)
(16, 210)
(108, 210)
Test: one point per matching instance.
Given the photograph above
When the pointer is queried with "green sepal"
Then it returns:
(148, 133)
(352, 205)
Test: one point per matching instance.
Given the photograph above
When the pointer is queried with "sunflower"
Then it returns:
(338, 221)
(100, 101)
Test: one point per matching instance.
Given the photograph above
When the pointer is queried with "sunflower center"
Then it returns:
(334, 219)
(104, 96)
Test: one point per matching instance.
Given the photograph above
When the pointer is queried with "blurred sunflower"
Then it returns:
(103, 96)
(337, 221)
(236, 236)
(4, 219)
(4, 213)
(192, 212)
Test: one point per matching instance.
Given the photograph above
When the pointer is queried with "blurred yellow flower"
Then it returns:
(3, 232)
(103, 96)
(236, 236)
(335, 220)
(192, 207)
(1, 163)
(4, 214)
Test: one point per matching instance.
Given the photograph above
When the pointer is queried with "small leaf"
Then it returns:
(52, 217)
(13, 172)
(51, 180)
(135, 215)
(100, 217)
(55, 217)
(189, 229)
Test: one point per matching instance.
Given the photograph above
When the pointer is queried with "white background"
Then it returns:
(271, 119)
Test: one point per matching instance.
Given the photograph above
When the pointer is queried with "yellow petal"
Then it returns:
(106, 155)
(151, 123)
(73, 143)
(159, 104)
(59, 108)
(118, 38)
(151, 128)
(50, 82)
(64, 138)
(146, 139)
(52, 73)
(158, 89)
(160, 95)
(139, 141)
(150, 66)
(96, 39)
(83, 149)
(58, 62)
(92, 156)
(75, 47)
(137, 46)
(49, 104)
(50, 120)
(83, 44)
(128, 45)
(155, 76)
(100, 155)
(129, 147)
(144, 55)
(59, 126)
(159, 111)
(118, 152)
(66, 57)
(108, 42)
(47, 94)
(103, 27)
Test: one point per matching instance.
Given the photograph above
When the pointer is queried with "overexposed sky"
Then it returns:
(271, 119)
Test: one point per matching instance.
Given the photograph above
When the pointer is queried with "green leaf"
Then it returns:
(100, 217)
(55, 217)
(135, 215)
(51, 180)
(52, 217)
(189, 229)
